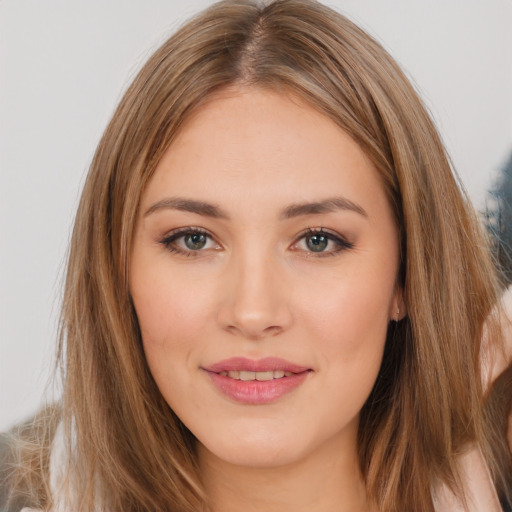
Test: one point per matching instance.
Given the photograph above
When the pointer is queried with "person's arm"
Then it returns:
(480, 491)
(478, 486)
(507, 301)
(497, 361)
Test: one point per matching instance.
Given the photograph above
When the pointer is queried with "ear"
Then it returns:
(398, 305)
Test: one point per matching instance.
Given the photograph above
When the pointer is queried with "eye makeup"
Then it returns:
(318, 238)
(192, 241)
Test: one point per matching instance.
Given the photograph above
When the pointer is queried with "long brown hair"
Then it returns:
(127, 449)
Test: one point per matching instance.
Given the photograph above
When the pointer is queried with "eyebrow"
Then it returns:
(294, 210)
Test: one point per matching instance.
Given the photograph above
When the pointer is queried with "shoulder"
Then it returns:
(495, 356)
(25, 453)
(56, 471)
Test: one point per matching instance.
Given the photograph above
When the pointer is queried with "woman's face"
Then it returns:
(263, 274)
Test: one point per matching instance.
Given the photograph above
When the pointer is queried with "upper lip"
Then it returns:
(266, 364)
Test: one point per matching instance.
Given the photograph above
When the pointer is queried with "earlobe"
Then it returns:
(399, 310)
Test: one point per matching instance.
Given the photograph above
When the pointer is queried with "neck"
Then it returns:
(328, 479)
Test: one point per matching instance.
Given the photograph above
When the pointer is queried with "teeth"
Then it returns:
(264, 375)
(247, 375)
(260, 376)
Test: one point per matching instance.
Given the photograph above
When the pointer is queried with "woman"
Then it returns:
(276, 290)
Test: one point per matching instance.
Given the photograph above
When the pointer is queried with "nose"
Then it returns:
(256, 301)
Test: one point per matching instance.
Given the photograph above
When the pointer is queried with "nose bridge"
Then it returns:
(255, 304)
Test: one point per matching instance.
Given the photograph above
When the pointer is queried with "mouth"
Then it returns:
(256, 382)
(259, 376)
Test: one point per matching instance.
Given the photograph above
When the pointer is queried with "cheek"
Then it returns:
(172, 310)
(358, 350)
(351, 310)
(169, 309)
(172, 314)
(350, 325)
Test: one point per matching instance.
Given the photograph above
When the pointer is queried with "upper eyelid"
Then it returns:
(323, 231)
(178, 233)
(185, 230)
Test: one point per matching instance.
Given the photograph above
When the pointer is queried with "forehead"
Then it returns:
(259, 147)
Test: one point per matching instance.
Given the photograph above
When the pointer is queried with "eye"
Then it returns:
(322, 243)
(188, 241)
(191, 241)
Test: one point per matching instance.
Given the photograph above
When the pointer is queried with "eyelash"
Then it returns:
(168, 241)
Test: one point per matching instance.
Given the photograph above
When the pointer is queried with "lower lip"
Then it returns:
(257, 392)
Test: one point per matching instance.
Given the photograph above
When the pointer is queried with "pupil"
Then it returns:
(195, 241)
(317, 243)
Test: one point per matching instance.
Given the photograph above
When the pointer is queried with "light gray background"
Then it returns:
(63, 67)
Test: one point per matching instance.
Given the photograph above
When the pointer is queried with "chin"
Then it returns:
(263, 447)
(272, 444)
(256, 454)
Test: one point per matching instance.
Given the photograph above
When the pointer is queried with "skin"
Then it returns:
(506, 356)
(480, 493)
(256, 289)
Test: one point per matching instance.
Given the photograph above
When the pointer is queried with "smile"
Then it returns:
(251, 382)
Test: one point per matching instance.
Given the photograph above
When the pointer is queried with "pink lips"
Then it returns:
(256, 392)
(262, 365)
